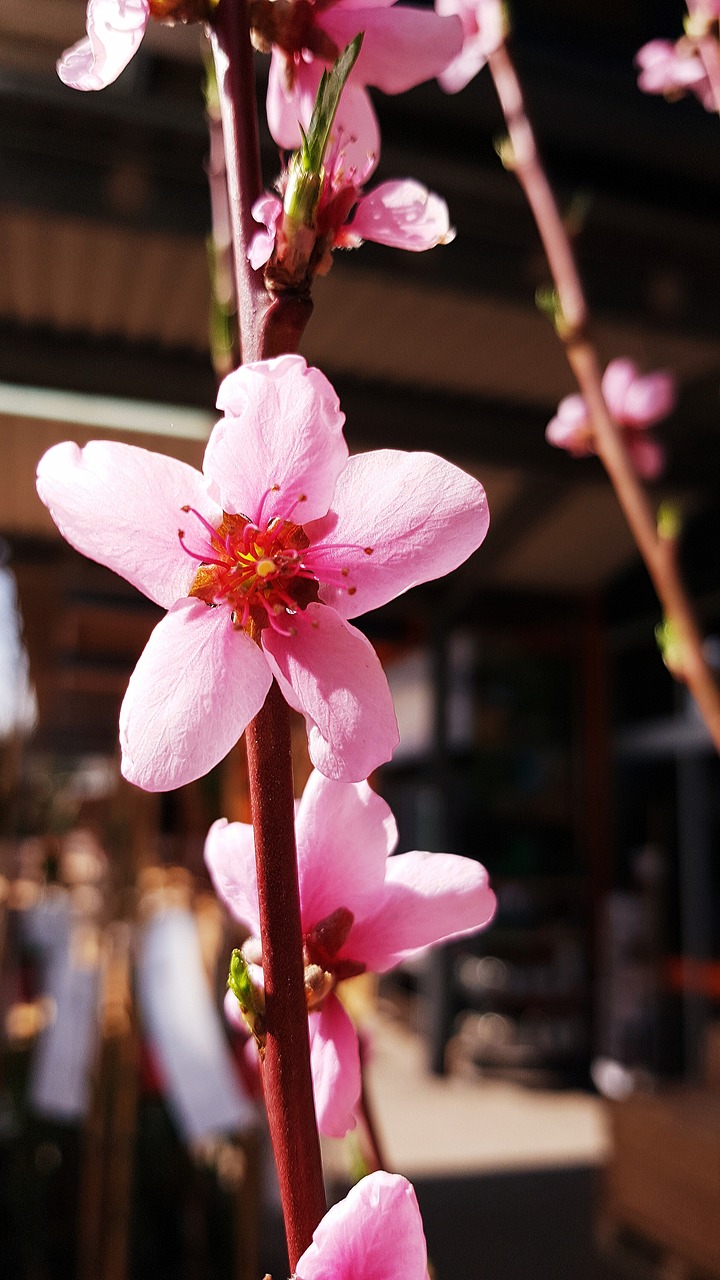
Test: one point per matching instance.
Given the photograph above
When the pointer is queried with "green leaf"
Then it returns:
(327, 101)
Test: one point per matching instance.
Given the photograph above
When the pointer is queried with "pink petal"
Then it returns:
(363, 4)
(280, 448)
(122, 506)
(573, 412)
(650, 399)
(569, 429)
(267, 210)
(331, 673)
(404, 215)
(356, 131)
(114, 31)
(375, 1233)
(345, 833)
(335, 1067)
(483, 32)
(230, 859)
(421, 516)
(647, 456)
(616, 383)
(429, 898)
(287, 109)
(403, 46)
(196, 687)
(356, 127)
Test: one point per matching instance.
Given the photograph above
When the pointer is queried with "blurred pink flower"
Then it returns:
(636, 401)
(402, 47)
(483, 23)
(260, 560)
(114, 31)
(361, 910)
(673, 69)
(375, 1233)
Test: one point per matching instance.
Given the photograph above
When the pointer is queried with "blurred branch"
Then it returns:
(571, 322)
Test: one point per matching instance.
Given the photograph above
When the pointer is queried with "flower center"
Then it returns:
(182, 10)
(258, 572)
(290, 25)
(322, 968)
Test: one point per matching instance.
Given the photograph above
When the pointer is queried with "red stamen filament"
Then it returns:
(250, 568)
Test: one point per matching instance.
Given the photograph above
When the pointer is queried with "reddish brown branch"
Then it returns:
(268, 327)
(235, 71)
(287, 1080)
(658, 554)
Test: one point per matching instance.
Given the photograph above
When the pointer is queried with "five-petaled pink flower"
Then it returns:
(402, 46)
(375, 1233)
(261, 559)
(483, 23)
(361, 909)
(636, 401)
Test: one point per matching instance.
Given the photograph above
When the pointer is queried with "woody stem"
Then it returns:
(271, 326)
(658, 554)
(287, 1080)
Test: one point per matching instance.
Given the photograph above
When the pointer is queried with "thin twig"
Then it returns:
(235, 71)
(269, 325)
(378, 1159)
(709, 51)
(657, 552)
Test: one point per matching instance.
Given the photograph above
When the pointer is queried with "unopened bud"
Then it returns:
(669, 522)
(249, 997)
(506, 152)
(669, 643)
(318, 984)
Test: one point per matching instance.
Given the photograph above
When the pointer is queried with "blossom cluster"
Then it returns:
(636, 401)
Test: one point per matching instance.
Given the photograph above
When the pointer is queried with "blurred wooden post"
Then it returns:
(105, 1209)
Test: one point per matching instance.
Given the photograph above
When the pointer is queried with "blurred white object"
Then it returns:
(185, 1032)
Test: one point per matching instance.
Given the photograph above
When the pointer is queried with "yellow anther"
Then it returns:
(265, 567)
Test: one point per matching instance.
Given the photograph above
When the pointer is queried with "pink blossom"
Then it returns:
(360, 908)
(114, 31)
(401, 213)
(375, 1233)
(261, 559)
(402, 47)
(673, 69)
(483, 23)
(636, 401)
